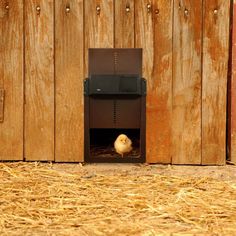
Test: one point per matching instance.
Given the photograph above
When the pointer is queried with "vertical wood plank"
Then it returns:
(153, 33)
(144, 38)
(187, 49)
(214, 84)
(124, 23)
(39, 80)
(232, 118)
(162, 79)
(11, 79)
(99, 26)
(69, 80)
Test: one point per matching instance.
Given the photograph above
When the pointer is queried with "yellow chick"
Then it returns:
(123, 144)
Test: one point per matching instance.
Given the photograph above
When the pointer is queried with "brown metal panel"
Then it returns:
(115, 61)
(128, 113)
(128, 61)
(101, 61)
(101, 113)
(114, 112)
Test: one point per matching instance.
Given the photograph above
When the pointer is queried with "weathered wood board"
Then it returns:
(162, 79)
(187, 52)
(214, 80)
(232, 114)
(69, 74)
(153, 33)
(144, 38)
(11, 79)
(124, 23)
(39, 80)
(99, 26)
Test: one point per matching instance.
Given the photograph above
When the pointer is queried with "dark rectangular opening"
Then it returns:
(102, 145)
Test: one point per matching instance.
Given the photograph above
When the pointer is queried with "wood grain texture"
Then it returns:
(11, 79)
(186, 113)
(232, 115)
(161, 85)
(99, 28)
(187, 49)
(69, 81)
(144, 38)
(214, 81)
(124, 23)
(153, 33)
(39, 80)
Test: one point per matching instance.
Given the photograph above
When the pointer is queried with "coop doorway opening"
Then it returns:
(102, 146)
(115, 104)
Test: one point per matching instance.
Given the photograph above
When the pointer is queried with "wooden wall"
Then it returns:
(44, 50)
(187, 86)
(232, 93)
(69, 75)
(39, 80)
(11, 80)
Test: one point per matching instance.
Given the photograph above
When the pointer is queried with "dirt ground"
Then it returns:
(227, 172)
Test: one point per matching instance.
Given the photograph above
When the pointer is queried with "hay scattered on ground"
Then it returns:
(109, 152)
(36, 199)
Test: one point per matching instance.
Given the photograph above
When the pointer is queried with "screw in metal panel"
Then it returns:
(7, 7)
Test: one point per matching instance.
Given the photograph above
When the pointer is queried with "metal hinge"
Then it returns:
(2, 97)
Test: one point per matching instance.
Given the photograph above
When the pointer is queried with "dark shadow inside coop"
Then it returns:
(102, 144)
